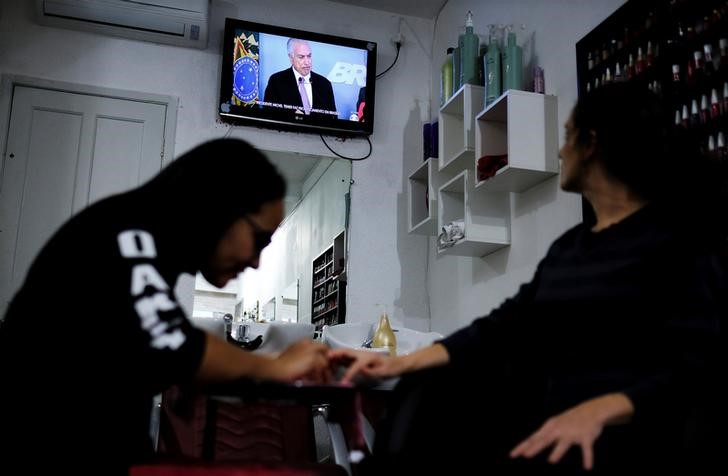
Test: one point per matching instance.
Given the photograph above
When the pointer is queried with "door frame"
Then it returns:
(8, 83)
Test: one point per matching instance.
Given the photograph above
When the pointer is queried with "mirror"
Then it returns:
(280, 289)
(288, 309)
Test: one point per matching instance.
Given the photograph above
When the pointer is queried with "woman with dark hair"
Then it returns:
(596, 363)
(96, 330)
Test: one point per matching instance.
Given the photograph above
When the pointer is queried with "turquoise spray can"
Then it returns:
(512, 63)
(493, 87)
(468, 43)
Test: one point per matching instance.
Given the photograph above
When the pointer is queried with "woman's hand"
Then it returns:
(303, 360)
(580, 425)
(371, 365)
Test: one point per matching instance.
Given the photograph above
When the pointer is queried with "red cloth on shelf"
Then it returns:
(488, 165)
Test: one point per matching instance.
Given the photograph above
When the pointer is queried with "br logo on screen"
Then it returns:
(245, 79)
(348, 73)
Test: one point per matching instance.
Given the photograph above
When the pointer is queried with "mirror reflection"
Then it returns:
(281, 289)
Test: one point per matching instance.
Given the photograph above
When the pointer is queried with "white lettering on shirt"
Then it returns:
(171, 339)
(143, 275)
(148, 307)
(137, 244)
(140, 244)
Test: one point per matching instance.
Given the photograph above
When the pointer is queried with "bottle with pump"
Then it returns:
(539, 85)
(384, 335)
(512, 63)
(468, 43)
(446, 75)
(492, 66)
(457, 77)
(481, 60)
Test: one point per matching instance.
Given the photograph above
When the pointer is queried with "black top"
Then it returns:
(633, 308)
(100, 293)
(96, 330)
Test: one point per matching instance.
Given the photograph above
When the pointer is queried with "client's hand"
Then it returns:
(367, 364)
(580, 425)
(304, 360)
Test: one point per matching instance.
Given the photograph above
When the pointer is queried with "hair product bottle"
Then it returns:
(457, 77)
(468, 43)
(512, 63)
(492, 66)
(481, 60)
(539, 85)
(384, 335)
(446, 78)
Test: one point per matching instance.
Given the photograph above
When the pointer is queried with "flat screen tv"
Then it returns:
(297, 80)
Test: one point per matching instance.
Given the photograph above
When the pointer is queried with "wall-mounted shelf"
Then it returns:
(457, 128)
(328, 294)
(422, 188)
(522, 125)
(485, 216)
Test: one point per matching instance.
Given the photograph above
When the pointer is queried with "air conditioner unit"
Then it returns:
(174, 22)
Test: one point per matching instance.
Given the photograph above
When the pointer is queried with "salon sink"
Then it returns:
(278, 335)
(355, 334)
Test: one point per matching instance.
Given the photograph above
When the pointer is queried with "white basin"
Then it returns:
(276, 335)
(355, 334)
(279, 335)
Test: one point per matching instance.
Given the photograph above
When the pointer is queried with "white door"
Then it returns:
(65, 151)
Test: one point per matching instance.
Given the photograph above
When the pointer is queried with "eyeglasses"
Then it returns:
(261, 237)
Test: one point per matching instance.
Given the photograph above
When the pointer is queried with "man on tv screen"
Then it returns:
(298, 86)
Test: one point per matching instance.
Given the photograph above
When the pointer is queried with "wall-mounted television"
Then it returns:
(296, 80)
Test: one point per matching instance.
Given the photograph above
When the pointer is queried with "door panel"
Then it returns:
(43, 189)
(65, 151)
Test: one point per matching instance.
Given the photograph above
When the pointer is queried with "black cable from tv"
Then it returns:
(396, 57)
(353, 159)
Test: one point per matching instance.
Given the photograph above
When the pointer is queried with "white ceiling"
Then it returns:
(416, 8)
(295, 168)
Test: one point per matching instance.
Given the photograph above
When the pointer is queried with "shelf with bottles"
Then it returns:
(479, 221)
(321, 281)
(622, 47)
(330, 307)
(422, 187)
(687, 64)
(323, 308)
(673, 67)
(647, 38)
(456, 128)
(518, 135)
(322, 267)
(324, 319)
(328, 297)
(324, 292)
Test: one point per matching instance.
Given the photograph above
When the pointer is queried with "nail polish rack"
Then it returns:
(676, 48)
(328, 280)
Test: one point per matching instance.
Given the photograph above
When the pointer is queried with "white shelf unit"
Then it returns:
(456, 130)
(524, 126)
(486, 216)
(422, 188)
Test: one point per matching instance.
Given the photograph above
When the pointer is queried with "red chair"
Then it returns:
(249, 469)
(199, 434)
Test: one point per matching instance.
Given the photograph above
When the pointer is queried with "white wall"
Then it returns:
(304, 234)
(206, 303)
(386, 265)
(462, 289)
(378, 219)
